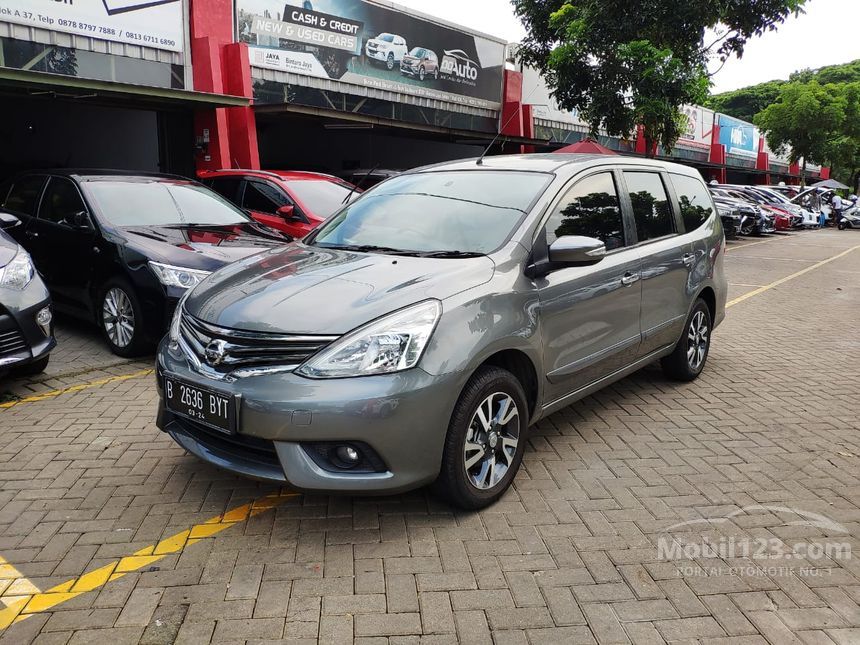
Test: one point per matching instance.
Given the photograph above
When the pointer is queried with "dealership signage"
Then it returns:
(700, 127)
(739, 137)
(148, 23)
(361, 43)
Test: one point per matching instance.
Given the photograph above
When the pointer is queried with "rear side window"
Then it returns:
(24, 196)
(651, 208)
(227, 187)
(694, 200)
(591, 208)
(61, 202)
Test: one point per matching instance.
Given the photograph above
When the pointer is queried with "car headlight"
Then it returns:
(19, 272)
(171, 276)
(390, 344)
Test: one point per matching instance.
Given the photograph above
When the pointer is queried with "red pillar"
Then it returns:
(718, 156)
(528, 127)
(512, 104)
(763, 162)
(221, 66)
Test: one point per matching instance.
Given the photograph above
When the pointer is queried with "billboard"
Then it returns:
(739, 137)
(700, 127)
(365, 44)
(149, 23)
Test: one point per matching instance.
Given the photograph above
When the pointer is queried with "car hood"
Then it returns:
(202, 247)
(8, 248)
(305, 290)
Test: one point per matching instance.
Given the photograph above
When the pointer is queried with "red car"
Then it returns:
(291, 202)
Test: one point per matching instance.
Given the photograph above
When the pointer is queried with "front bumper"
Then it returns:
(23, 339)
(402, 417)
(378, 54)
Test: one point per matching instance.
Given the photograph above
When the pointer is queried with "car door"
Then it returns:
(667, 259)
(67, 244)
(590, 315)
(22, 200)
(263, 200)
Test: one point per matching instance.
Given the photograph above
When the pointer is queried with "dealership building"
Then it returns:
(181, 86)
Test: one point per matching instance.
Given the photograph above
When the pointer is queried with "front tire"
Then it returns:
(120, 317)
(421, 74)
(389, 62)
(486, 440)
(688, 359)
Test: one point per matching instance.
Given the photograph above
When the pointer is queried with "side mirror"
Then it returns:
(288, 213)
(576, 250)
(8, 220)
(80, 220)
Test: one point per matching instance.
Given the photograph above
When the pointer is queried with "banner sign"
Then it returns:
(365, 44)
(739, 137)
(700, 127)
(149, 23)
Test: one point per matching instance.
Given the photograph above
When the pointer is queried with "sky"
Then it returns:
(829, 33)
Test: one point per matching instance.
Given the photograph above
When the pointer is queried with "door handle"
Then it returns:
(689, 259)
(630, 278)
(32, 234)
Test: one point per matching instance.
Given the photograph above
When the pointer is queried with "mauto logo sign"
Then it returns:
(358, 43)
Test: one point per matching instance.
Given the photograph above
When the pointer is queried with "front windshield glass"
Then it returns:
(388, 38)
(142, 202)
(321, 197)
(436, 212)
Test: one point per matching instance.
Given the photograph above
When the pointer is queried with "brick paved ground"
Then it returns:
(570, 555)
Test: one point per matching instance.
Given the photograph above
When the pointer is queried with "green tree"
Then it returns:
(844, 149)
(806, 120)
(624, 63)
(745, 103)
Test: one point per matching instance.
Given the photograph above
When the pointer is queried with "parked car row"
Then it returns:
(755, 210)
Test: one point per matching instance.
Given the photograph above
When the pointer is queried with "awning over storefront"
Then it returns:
(25, 82)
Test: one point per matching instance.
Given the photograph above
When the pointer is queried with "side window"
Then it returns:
(227, 187)
(24, 196)
(61, 201)
(262, 198)
(694, 199)
(590, 208)
(651, 208)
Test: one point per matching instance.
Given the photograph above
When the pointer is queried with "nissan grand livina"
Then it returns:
(417, 334)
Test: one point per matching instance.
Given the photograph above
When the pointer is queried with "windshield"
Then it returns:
(417, 52)
(388, 38)
(321, 197)
(436, 212)
(139, 202)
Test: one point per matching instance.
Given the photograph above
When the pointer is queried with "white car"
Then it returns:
(387, 48)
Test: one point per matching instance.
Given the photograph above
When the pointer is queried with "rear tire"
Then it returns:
(120, 317)
(486, 440)
(688, 359)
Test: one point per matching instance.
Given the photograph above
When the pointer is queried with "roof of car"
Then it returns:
(91, 173)
(287, 175)
(552, 162)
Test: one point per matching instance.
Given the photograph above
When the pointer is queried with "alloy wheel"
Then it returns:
(491, 441)
(390, 61)
(118, 317)
(697, 340)
(421, 74)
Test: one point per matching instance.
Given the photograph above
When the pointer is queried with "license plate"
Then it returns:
(204, 406)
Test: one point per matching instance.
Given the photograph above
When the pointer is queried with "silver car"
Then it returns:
(415, 336)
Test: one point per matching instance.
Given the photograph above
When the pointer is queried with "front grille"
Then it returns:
(247, 448)
(247, 350)
(11, 339)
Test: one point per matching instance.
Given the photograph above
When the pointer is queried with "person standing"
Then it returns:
(836, 207)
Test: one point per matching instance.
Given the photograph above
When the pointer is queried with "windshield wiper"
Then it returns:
(370, 248)
(451, 254)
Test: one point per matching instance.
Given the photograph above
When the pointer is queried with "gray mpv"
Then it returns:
(417, 334)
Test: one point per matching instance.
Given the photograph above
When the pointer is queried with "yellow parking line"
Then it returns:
(770, 286)
(23, 606)
(743, 246)
(75, 388)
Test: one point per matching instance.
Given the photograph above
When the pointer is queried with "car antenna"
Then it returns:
(359, 184)
(519, 109)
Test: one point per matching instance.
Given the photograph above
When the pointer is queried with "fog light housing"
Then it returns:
(43, 319)
(348, 456)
